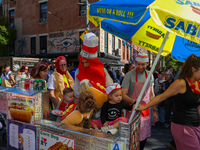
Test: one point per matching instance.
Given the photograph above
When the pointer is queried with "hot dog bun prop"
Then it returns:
(75, 117)
(100, 97)
(21, 112)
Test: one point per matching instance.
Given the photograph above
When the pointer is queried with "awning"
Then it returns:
(111, 62)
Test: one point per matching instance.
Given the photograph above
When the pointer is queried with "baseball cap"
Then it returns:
(112, 87)
(47, 60)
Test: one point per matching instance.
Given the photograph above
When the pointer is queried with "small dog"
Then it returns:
(87, 104)
(82, 116)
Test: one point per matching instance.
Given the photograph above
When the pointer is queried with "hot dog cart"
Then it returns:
(39, 133)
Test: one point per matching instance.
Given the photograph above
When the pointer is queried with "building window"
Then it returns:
(131, 55)
(113, 45)
(123, 51)
(119, 43)
(105, 42)
(82, 8)
(43, 12)
(12, 17)
(33, 45)
(43, 44)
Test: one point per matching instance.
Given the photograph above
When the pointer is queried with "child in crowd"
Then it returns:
(111, 111)
(67, 100)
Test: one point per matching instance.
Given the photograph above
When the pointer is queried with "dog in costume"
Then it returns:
(82, 116)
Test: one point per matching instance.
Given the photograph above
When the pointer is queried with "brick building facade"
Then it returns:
(49, 28)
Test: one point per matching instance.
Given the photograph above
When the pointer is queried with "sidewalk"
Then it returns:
(160, 138)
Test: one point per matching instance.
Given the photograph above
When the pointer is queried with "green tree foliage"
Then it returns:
(171, 62)
(7, 37)
(3, 34)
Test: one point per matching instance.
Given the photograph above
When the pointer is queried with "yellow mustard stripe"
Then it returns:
(65, 80)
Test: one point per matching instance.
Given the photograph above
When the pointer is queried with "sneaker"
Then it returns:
(113, 131)
(105, 129)
(166, 125)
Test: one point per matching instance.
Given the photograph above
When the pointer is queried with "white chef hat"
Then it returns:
(142, 57)
(112, 87)
(90, 40)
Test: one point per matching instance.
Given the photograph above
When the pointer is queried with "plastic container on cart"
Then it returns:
(18, 79)
(31, 87)
(23, 77)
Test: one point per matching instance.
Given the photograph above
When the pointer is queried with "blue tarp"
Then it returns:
(19, 91)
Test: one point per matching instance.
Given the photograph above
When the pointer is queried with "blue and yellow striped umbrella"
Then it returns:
(181, 17)
(147, 28)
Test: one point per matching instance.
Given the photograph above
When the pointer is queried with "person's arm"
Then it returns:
(12, 78)
(152, 95)
(53, 97)
(59, 103)
(109, 80)
(179, 86)
(127, 106)
(155, 115)
(76, 84)
(51, 87)
(103, 111)
(126, 98)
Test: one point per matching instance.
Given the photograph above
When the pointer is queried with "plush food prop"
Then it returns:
(100, 97)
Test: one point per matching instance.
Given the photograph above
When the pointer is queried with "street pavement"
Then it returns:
(159, 140)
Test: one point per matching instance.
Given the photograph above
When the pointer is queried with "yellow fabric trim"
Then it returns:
(65, 80)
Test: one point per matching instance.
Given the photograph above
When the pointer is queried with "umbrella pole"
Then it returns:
(148, 78)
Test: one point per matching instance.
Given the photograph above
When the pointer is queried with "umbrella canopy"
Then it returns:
(146, 34)
(127, 11)
(181, 17)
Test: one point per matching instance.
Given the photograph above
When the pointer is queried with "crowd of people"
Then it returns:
(174, 102)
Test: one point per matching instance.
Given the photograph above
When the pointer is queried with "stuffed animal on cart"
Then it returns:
(82, 116)
(100, 97)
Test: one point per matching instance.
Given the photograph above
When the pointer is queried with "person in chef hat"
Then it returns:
(131, 88)
(89, 68)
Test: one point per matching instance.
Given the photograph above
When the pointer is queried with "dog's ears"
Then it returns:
(82, 87)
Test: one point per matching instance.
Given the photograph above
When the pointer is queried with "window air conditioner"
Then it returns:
(119, 52)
